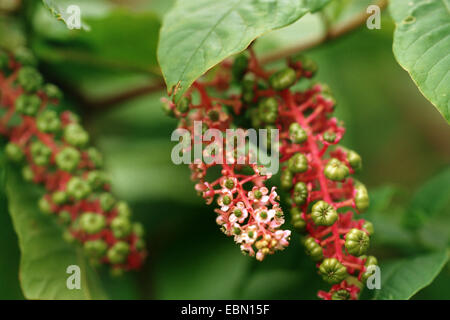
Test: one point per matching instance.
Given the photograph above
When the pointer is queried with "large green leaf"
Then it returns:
(402, 279)
(45, 256)
(197, 35)
(422, 46)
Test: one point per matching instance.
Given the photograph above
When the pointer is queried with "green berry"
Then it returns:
(59, 197)
(95, 156)
(323, 214)
(48, 121)
(300, 193)
(107, 201)
(370, 261)
(341, 294)
(27, 173)
(286, 179)
(296, 133)
(29, 78)
(92, 223)
(182, 105)
(75, 135)
(336, 170)
(357, 242)
(306, 63)
(96, 179)
(78, 188)
(297, 220)
(68, 159)
(45, 206)
(138, 229)
(28, 104)
(95, 248)
(40, 153)
(239, 67)
(248, 94)
(283, 79)
(368, 226)
(118, 252)
(354, 160)
(65, 217)
(14, 152)
(361, 197)
(268, 110)
(121, 227)
(329, 136)
(123, 210)
(298, 163)
(332, 271)
(313, 249)
(52, 91)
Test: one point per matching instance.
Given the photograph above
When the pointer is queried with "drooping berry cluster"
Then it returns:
(248, 210)
(53, 149)
(316, 172)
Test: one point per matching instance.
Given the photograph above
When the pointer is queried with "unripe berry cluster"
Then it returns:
(316, 172)
(53, 149)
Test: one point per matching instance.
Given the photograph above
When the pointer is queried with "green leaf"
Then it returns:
(45, 256)
(402, 279)
(197, 35)
(422, 46)
(429, 200)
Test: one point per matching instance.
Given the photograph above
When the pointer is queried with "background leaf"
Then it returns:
(422, 46)
(45, 255)
(197, 35)
(401, 279)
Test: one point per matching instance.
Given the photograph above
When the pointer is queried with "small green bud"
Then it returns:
(96, 179)
(78, 188)
(68, 159)
(92, 223)
(123, 210)
(65, 217)
(300, 193)
(118, 252)
(298, 163)
(45, 206)
(30, 79)
(361, 198)
(14, 152)
(368, 226)
(313, 249)
(329, 136)
(297, 220)
(121, 227)
(27, 173)
(297, 134)
(341, 294)
(28, 104)
(248, 94)
(95, 156)
(40, 153)
(59, 197)
(107, 201)
(336, 170)
(323, 214)
(283, 79)
(332, 271)
(307, 63)
(48, 121)
(95, 248)
(357, 242)
(286, 179)
(75, 135)
(371, 260)
(268, 110)
(182, 105)
(355, 160)
(52, 91)
(138, 229)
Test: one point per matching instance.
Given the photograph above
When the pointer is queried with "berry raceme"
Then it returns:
(52, 148)
(316, 172)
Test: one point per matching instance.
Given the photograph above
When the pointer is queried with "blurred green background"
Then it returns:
(403, 140)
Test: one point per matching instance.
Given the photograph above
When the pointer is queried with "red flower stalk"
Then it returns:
(53, 149)
(248, 210)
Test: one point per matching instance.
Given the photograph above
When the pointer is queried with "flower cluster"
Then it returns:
(316, 172)
(247, 209)
(53, 149)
